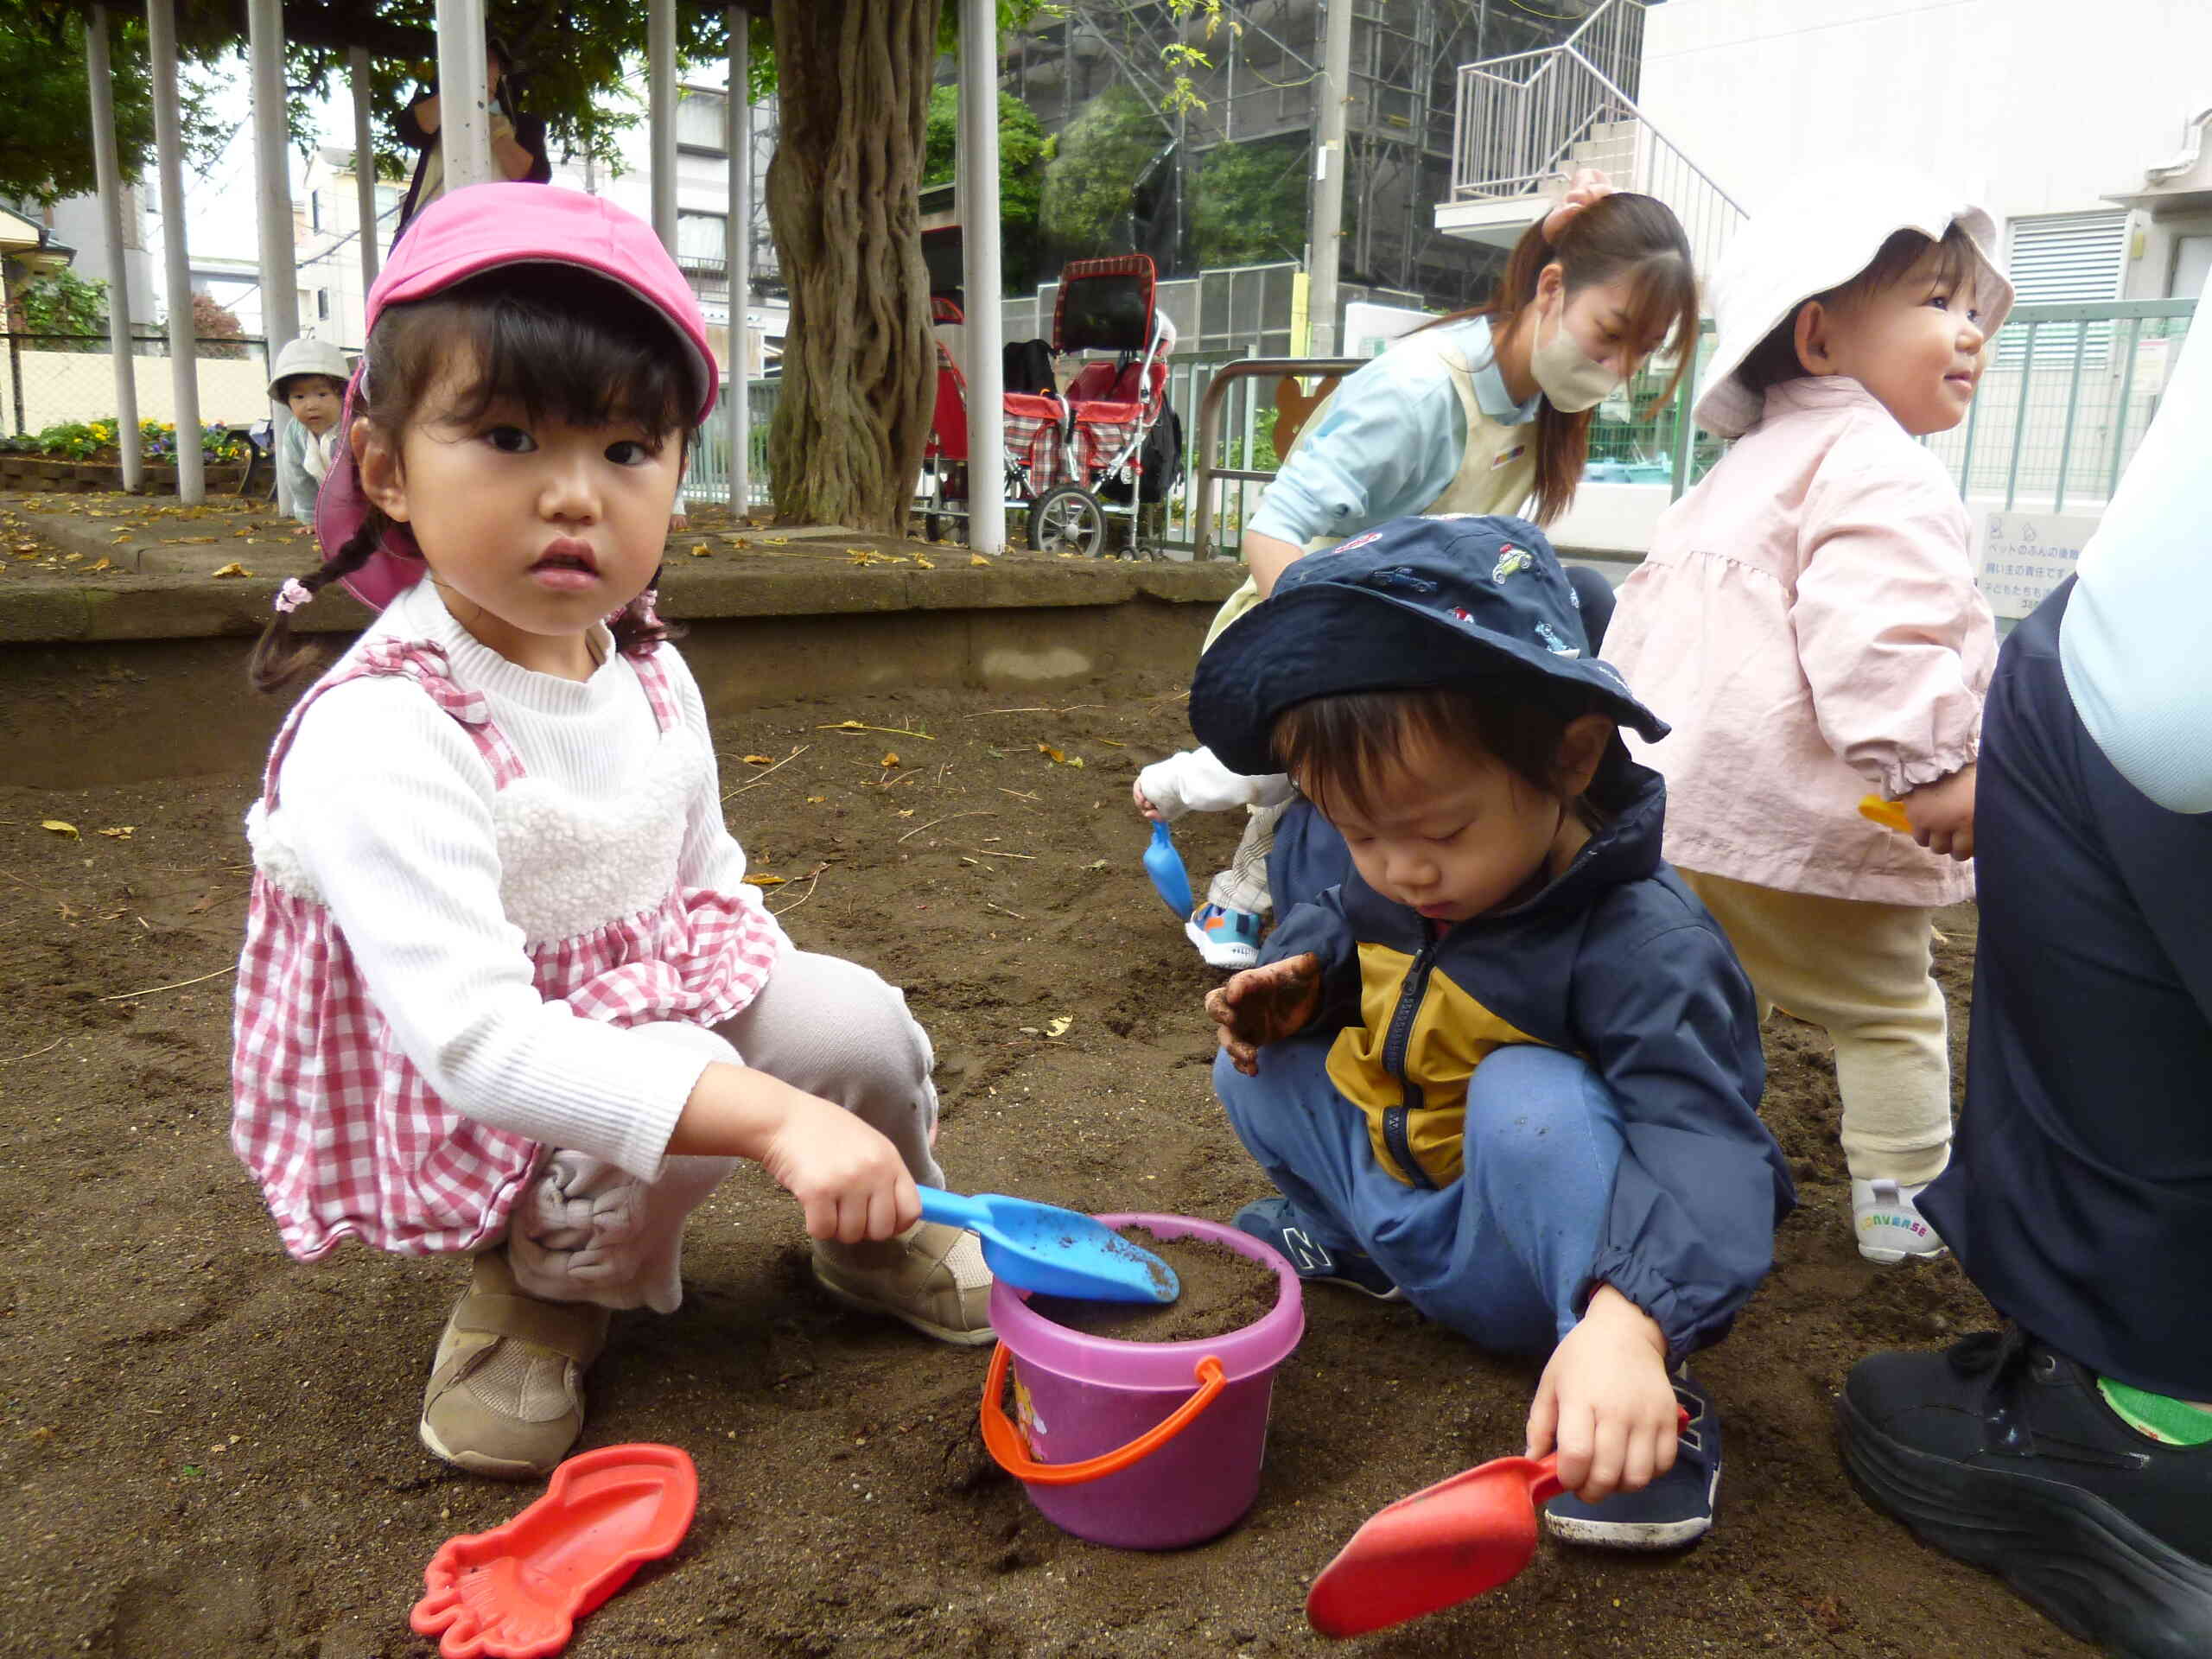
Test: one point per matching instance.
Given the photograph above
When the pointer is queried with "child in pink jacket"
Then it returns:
(1808, 620)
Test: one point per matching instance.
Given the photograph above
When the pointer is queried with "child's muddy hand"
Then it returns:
(1605, 1402)
(1942, 814)
(1145, 805)
(1265, 1005)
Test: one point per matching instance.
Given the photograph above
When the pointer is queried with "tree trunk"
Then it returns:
(858, 363)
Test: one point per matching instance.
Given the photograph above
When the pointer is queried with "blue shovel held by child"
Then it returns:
(1165, 866)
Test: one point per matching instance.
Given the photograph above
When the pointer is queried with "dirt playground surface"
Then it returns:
(207, 1450)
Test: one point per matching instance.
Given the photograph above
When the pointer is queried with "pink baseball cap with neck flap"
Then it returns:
(465, 233)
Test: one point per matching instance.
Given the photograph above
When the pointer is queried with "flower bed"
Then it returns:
(81, 457)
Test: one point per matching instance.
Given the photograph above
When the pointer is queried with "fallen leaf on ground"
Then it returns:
(906, 811)
(104, 565)
(1096, 864)
(891, 760)
(196, 541)
(233, 568)
(61, 828)
(816, 800)
(925, 564)
(760, 879)
(977, 558)
(1059, 1023)
(758, 760)
(121, 832)
(1052, 755)
(699, 550)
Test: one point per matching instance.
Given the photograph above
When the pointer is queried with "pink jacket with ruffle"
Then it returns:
(1807, 621)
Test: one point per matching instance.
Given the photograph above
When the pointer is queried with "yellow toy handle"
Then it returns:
(1888, 814)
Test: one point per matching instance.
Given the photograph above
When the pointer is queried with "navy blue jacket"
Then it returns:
(1615, 961)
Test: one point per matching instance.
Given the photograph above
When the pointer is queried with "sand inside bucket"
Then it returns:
(1223, 1291)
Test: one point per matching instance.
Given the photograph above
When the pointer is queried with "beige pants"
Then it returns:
(586, 1231)
(1860, 972)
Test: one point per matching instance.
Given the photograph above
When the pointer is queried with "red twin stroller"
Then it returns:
(1073, 458)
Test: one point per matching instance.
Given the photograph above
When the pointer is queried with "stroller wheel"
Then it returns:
(1067, 518)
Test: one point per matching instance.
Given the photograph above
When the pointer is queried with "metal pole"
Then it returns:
(107, 171)
(737, 259)
(177, 258)
(2020, 425)
(364, 166)
(464, 123)
(979, 243)
(2126, 391)
(2073, 402)
(660, 56)
(1322, 258)
(280, 287)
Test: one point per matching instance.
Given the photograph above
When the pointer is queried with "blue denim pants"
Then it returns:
(1503, 1255)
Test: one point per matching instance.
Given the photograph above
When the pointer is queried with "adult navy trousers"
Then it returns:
(2079, 1197)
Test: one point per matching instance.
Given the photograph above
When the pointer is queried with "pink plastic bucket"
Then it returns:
(1140, 1444)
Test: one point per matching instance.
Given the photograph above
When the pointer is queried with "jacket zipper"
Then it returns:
(1397, 1118)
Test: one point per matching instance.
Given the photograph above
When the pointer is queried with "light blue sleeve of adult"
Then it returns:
(1390, 443)
(2137, 640)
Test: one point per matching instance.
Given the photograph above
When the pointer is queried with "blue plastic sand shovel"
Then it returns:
(1055, 1252)
(1165, 866)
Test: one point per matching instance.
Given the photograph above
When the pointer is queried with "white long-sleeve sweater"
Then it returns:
(1194, 781)
(387, 813)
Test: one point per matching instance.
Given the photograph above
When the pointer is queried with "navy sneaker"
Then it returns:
(1673, 1511)
(2003, 1453)
(1273, 1221)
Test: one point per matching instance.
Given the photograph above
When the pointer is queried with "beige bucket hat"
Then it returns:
(305, 356)
(1829, 230)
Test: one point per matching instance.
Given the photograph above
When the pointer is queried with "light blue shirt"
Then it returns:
(1390, 443)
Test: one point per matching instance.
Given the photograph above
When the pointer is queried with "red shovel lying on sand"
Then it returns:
(516, 1592)
(1445, 1544)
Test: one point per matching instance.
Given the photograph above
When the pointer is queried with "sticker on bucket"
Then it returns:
(1026, 1418)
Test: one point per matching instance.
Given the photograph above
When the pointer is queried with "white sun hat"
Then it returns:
(305, 356)
(1827, 230)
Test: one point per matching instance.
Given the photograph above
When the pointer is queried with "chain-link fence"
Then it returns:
(60, 380)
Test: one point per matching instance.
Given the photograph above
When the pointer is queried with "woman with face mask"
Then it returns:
(1487, 410)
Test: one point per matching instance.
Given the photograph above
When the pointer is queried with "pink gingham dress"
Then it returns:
(344, 1135)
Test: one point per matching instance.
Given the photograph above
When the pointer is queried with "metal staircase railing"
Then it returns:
(1527, 120)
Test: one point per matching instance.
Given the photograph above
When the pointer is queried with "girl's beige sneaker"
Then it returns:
(507, 1390)
(932, 1275)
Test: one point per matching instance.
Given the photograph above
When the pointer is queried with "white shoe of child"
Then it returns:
(1888, 1225)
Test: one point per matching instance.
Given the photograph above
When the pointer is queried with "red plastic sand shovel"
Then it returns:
(1445, 1544)
(516, 1592)
(1442, 1546)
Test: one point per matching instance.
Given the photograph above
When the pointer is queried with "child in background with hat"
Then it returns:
(505, 992)
(1509, 1069)
(1808, 618)
(310, 381)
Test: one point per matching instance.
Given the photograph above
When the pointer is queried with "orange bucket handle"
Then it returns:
(1005, 1445)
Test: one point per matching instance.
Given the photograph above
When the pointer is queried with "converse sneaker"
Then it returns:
(1273, 1221)
(931, 1276)
(1226, 938)
(2003, 1453)
(1887, 1222)
(507, 1390)
(1675, 1510)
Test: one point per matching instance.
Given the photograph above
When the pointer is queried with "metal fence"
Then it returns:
(2058, 415)
(48, 379)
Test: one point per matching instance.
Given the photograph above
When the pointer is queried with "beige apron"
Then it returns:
(1496, 473)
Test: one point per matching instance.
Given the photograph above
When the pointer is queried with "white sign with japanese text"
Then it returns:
(2024, 555)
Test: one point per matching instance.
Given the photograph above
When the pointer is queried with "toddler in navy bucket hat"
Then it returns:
(1509, 1069)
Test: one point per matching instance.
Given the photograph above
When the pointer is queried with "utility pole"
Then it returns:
(1322, 256)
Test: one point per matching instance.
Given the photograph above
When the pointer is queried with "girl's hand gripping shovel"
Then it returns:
(1445, 1544)
(1165, 866)
(1054, 1252)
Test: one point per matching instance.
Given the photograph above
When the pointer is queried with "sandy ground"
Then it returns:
(207, 1450)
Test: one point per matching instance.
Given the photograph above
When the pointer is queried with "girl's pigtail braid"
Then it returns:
(276, 659)
(638, 627)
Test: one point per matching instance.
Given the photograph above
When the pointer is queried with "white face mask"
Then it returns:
(1572, 382)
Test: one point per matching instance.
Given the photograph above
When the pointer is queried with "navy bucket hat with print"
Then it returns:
(1451, 600)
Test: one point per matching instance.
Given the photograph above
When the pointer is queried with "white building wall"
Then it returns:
(2034, 106)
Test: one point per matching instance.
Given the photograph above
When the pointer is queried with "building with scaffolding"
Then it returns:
(1259, 83)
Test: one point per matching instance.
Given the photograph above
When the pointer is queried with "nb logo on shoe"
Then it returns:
(1305, 1255)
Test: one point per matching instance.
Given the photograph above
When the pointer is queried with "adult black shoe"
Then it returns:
(2003, 1453)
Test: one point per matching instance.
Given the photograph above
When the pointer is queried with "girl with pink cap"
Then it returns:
(505, 992)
